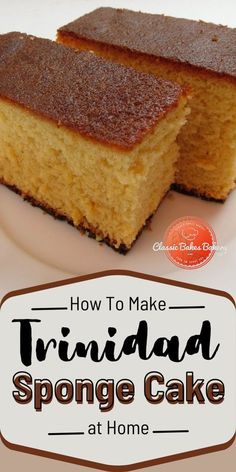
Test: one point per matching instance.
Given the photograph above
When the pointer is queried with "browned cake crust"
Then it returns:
(195, 193)
(196, 43)
(107, 102)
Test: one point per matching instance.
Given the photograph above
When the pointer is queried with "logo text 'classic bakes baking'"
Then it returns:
(189, 243)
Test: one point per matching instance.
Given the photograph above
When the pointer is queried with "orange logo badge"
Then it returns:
(190, 242)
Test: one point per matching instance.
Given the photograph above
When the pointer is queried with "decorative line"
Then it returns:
(161, 431)
(67, 433)
(185, 307)
(50, 308)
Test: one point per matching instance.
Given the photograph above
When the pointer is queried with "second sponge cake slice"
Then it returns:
(86, 139)
(201, 55)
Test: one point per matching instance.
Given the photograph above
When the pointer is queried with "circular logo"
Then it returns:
(189, 242)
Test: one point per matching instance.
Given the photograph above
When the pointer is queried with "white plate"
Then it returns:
(62, 248)
(35, 248)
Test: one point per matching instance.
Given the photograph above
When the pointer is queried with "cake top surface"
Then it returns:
(107, 102)
(204, 45)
